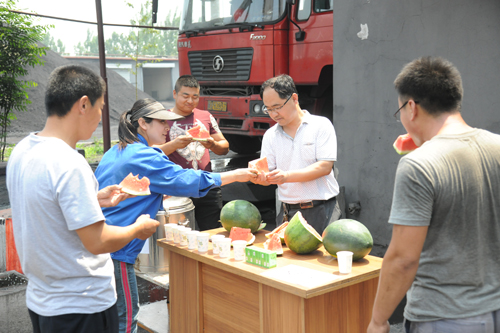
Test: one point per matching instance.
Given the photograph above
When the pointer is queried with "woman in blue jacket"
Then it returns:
(139, 129)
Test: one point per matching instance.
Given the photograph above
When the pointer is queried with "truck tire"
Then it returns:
(244, 144)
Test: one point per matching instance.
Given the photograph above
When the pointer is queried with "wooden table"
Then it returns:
(212, 294)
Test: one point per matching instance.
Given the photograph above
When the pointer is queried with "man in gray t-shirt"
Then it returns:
(445, 212)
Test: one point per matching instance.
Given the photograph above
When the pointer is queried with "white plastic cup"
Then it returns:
(184, 240)
(239, 249)
(191, 238)
(344, 259)
(169, 235)
(176, 233)
(224, 247)
(202, 240)
(215, 245)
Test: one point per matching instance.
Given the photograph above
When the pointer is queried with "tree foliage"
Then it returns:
(19, 48)
(50, 42)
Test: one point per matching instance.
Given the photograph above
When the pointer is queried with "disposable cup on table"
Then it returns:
(177, 234)
(169, 235)
(344, 259)
(191, 237)
(202, 240)
(184, 240)
(239, 249)
(215, 245)
(224, 247)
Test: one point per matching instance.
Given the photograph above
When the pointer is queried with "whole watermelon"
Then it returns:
(300, 237)
(348, 235)
(240, 213)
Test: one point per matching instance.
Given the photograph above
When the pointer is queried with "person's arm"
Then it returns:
(178, 143)
(99, 237)
(312, 172)
(399, 268)
(217, 143)
(238, 175)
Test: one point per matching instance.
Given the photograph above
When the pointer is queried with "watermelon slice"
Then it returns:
(238, 233)
(198, 133)
(260, 164)
(274, 244)
(404, 144)
(280, 231)
(135, 186)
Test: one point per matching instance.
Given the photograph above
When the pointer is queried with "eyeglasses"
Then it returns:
(396, 114)
(276, 109)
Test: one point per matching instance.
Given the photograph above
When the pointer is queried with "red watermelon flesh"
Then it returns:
(135, 186)
(198, 132)
(260, 164)
(280, 231)
(238, 233)
(404, 144)
(274, 244)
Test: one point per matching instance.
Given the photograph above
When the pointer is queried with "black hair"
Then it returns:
(127, 130)
(283, 84)
(186, 81)
(67, 84)
(434, 82)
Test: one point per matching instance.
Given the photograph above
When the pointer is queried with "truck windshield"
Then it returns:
(199, 15)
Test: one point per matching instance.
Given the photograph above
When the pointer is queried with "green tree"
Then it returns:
(49, 41)
(19, 48)
(169, 37)
(90, 45)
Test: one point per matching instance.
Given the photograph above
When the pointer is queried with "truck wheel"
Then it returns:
(244, 144)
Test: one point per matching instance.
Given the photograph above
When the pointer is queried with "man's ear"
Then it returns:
(414, 110)
(83, 104)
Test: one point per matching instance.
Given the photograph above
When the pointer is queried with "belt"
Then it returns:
(305, 205)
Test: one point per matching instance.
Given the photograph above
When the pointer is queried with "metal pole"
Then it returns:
(102, 63)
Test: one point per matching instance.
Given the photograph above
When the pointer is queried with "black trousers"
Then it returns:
(207, 209)
(100, 322)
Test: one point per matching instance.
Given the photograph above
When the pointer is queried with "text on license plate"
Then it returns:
(217, 106)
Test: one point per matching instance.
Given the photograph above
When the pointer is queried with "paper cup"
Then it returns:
(344, 259)
(239, 249)
(176, 231)
(224, 247)
(169, 235)
(215, 245)
(184, 240)
(202, 240)
(191, 238)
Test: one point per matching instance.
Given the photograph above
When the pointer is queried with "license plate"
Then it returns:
(217, 106)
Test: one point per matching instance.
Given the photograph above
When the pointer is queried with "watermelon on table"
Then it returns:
(274, 244)
(240, 213)
(135, 186)
(241, 234)
(404, 144)
(300, 236)
(280, 231)
(199, 133)
(260, 164)
(348, 235)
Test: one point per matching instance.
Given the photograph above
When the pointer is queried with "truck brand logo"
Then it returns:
(255, 37)
(218, 64)
(184, 44)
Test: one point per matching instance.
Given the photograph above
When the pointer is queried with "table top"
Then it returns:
(306, 276)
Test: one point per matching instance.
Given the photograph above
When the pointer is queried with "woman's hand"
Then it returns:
(111, 196)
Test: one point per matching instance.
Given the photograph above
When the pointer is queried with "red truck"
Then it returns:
(233, 46)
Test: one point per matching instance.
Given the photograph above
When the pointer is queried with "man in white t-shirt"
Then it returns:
(61, 237)
(300, 150)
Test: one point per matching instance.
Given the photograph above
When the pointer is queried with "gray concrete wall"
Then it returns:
(463, 31)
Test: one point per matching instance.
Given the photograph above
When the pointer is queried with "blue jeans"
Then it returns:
(486, 323)
(128, 296)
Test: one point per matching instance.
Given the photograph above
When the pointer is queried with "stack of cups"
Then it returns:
(215, 244)
(176, 233)
(344, 259)
(224, 247)
(169, 236)
(239, 249)
(202, 240)
(191, 238)
(184, 240)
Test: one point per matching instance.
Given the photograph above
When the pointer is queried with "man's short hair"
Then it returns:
(67, 84)
(283, 84)
(434, 82)
(186, 81)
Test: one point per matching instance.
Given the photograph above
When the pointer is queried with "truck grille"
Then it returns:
(237, 64)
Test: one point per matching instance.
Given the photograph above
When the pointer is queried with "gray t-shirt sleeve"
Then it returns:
(413, 196)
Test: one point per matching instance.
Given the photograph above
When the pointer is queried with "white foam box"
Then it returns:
(260, 257)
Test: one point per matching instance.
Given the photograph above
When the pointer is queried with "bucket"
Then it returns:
(181, 211)
(152, 258)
